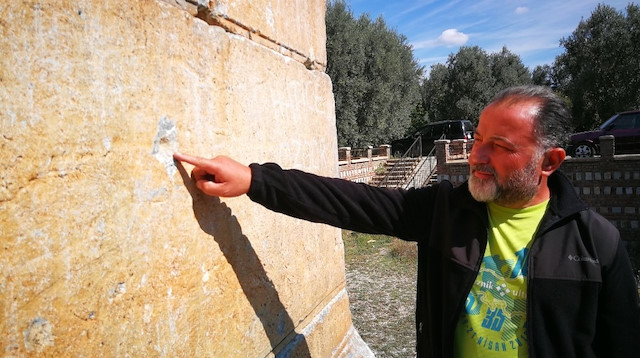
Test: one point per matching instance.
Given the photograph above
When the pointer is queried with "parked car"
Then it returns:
(452, 129)
(624, 126)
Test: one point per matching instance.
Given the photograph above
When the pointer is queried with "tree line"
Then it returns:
(381, 93)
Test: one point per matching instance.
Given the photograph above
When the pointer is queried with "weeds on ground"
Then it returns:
(381, 281)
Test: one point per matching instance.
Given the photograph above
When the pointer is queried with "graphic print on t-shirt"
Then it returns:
(494, 322)
(498, 302)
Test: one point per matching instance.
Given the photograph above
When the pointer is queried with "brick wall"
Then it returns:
(611, 187)
(360, 165)
(452, 160)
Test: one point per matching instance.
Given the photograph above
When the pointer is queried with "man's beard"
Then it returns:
(520, 185)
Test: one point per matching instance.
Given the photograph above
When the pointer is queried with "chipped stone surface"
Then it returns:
(107, 248)
(165, 144)
(38, 335)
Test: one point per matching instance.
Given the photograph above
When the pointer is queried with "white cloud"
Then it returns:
(521, 10)
(453, 37)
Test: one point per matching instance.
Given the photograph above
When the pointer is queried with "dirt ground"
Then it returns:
(381, 282)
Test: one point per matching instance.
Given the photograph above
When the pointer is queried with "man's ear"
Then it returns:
(553, 158)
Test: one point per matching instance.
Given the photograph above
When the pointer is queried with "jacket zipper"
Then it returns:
(461, 305)
(547, 221)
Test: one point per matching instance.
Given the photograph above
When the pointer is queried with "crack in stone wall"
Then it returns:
(209, 13)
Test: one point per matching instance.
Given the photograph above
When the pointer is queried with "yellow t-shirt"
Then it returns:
(494, 322)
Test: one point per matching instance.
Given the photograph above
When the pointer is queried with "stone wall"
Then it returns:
(609, 184)
(107, 248)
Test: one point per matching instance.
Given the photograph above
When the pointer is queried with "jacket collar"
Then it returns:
(564, 201)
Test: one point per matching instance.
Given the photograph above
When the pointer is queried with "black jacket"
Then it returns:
(581, 301)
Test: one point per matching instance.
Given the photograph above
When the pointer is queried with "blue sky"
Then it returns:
(531, 29)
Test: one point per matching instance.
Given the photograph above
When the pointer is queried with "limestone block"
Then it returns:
(107, 248)
(293, 26)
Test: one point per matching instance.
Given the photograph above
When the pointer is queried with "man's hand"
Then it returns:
(220, 176)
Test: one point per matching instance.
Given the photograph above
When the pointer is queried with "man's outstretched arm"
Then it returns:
(220, 176)
(336, 202)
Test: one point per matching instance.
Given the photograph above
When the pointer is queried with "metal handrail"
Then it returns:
(417, 143)
(418, 170)
(431, 173)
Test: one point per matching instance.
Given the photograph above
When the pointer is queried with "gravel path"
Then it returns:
(382, 294)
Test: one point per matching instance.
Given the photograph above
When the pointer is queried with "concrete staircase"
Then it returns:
(397, 172)
(406, 173)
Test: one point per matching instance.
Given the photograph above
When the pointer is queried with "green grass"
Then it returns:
(384, 250)
(381, 281)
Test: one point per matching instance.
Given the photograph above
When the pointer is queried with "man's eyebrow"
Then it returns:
(503, 139)
(497, 138)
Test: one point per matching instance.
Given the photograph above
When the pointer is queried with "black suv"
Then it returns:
(454, 129)
(624, 126)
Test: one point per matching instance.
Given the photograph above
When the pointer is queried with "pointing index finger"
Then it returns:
(196, 161)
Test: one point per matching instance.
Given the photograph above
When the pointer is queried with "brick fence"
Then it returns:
(360, 165)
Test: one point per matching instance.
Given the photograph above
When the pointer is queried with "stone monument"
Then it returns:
(107, 248)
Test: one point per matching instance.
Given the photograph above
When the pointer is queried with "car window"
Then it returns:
(625, 122)
(438, 131)
(637, 120)
(456, 130)
(607, 123)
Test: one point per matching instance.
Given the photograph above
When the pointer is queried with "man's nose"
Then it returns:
(479, 154)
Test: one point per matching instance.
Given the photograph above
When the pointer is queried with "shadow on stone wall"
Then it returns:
(217, 220)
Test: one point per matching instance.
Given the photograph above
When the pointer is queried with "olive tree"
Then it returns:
(376, 80)
(598, 70)
(471, 77)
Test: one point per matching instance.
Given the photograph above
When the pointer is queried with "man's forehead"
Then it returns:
(524, 110)
(509, 120)
(527, 106)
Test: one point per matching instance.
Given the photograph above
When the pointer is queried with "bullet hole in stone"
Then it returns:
(165, 144)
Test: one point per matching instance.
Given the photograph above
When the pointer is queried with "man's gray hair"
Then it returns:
(553, 123)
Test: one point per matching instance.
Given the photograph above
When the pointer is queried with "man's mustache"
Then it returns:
(483, 168)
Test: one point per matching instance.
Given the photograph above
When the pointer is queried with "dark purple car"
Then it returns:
(624, 126)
